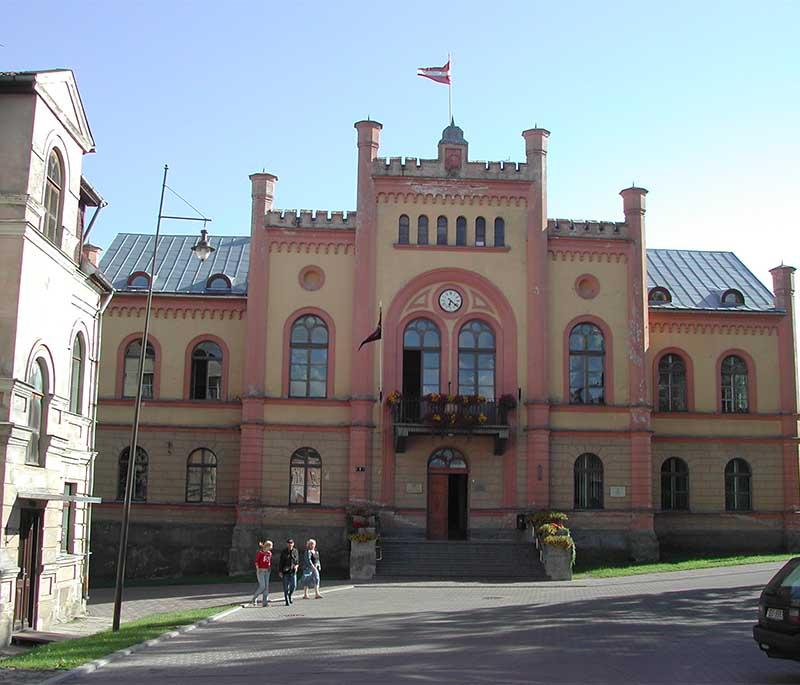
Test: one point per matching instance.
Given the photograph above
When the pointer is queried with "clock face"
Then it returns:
(450, 300)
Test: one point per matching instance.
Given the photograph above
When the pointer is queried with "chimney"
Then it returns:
(92, 254)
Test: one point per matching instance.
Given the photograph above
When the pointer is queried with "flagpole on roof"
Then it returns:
(450, 88)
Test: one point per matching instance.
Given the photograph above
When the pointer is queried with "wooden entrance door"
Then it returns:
(447, 495)
(30, 527)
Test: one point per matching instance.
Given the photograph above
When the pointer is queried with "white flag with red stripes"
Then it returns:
(438, 74)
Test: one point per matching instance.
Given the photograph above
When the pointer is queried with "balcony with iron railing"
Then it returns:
(450, 415)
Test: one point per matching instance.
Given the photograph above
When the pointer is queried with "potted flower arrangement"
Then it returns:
(555, 543)
(505, 404)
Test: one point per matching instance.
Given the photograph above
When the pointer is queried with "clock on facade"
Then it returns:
(450, 300)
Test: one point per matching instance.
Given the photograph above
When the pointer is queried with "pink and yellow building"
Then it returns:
(525, 363)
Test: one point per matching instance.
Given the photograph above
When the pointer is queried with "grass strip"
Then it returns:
(680, 564)
(73, 653)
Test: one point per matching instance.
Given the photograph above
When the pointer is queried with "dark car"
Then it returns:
(778, 629)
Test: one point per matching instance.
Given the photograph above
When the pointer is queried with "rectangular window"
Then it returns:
(68, 520)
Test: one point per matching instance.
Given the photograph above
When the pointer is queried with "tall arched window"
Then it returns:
(738, 486)
(441, 230)
(734, 385)
(139, 474)
(201, 476)
(421, 358)
(674, 484)
(53, 198)
(305, 484)
(308, 375)
(402, 230)
(476, 359)
(499, 232)
(480, 231)
(206, 383)
(131, 370)
(671, 383)
(461, 231)
(586, 365)
(588, 482)
(422, 230)
(76, 377)
(37, 379)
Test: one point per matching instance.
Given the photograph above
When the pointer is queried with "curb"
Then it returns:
(92, 666)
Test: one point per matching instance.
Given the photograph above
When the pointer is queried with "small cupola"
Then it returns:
(453, 149)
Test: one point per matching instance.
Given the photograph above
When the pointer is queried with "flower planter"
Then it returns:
(557, 562)
(362, 560)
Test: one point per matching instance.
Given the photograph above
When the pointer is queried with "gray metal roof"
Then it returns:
(697, 280)
(177, 269)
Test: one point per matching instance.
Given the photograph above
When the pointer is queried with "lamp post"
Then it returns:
(202, 249)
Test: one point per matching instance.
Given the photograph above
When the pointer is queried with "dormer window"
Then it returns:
(659, 296)
(732, 298)
(218, 283)
(139, 280)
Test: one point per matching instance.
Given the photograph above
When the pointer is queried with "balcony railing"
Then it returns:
(449, 416)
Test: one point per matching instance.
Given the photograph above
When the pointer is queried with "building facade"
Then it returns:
(50, 317)
(524, 363)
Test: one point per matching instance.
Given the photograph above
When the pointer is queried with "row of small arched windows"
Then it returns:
(674, 484)
(423, 237)
(305, 479)
(673, 387)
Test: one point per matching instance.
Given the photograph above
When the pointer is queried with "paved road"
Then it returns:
(691, 627)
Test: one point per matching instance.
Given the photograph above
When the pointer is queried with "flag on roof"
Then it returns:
(438, 74)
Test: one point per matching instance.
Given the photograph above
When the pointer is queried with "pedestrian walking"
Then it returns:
(311, 569)
(263, 565)
(289, 563)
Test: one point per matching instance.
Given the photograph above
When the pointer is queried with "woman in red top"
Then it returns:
(263, 566)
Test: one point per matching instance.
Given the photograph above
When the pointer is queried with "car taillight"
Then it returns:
(793, 616)
(762, 610)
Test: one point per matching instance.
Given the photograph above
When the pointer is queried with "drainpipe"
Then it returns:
(105, 299)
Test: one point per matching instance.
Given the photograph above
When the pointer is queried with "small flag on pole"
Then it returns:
(376, 334)
(438, 74)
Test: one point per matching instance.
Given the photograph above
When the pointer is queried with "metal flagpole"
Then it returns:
(380, 354)
(450, 88)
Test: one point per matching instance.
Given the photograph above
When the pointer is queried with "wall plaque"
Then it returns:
(414, 488)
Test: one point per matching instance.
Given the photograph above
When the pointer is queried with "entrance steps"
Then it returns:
(465, 559)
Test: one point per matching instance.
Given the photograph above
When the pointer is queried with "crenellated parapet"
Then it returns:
(436, 168)
(568, 228)
(321, 219)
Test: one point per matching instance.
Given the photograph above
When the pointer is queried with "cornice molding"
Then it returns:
(312, 246)
(713, 327)
(588, 254)
(213, 309)
(467, 198)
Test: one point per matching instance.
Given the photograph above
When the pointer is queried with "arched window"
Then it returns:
(201, 476)
(461, 231)
(305, 485)
(37, 379)
(586, 365)
(422, 230)
(480, 231)
(53, 197)
(732, 298)
(447, 458)
(402, 230)
(671, 383)
(76, 377)
(421, 358)
(588, 482)
(734, 385)
(131, 370)
(206, 381)
(218, 283)
(139, 474)
(674, 484)
(139, 280)
(476, 359)
(659, 295)
(499, 232)
(738, 486)
(308, 375)
(441, 230)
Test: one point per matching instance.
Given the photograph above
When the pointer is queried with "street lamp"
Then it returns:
(202, 249)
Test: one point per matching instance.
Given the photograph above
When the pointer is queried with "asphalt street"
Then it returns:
(690, 627)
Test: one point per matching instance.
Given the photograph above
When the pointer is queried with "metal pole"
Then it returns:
(126, 507)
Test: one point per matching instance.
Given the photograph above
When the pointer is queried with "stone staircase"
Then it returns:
(466, 559)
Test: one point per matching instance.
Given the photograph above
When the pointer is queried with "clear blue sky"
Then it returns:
(698, 102)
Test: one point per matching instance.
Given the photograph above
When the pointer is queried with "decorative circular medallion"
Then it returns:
(311, 278)
(587, 286)
(450, 300)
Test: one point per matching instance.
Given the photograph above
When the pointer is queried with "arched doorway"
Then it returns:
(448, 479)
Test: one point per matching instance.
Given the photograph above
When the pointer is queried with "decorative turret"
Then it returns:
(453, 135)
